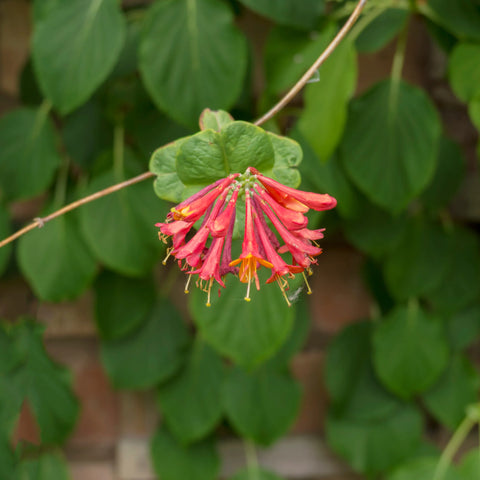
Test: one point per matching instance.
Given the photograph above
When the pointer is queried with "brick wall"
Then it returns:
(111, 438)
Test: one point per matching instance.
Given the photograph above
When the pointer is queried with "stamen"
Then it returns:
(309, 290)
(282, 288)
(247, 297)
(188, 283)
(208, 304)
(169, 252)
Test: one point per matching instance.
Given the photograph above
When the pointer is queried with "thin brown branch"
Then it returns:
(40, 222)
(308, 74)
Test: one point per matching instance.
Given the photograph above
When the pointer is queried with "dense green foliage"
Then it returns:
(109, 93)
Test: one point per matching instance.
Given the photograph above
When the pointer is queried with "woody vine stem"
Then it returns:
(40, 222)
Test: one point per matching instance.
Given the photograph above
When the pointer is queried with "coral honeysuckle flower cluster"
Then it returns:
(267, 204)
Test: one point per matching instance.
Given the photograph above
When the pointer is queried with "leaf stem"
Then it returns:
(42, 115)
(397, 66)
(61, 185)
(367, 18)
(453, 445)
(308, 74)
(118, 151)
(252, 459)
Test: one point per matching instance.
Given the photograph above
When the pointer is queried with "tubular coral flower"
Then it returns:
(227, 251)
(192, 211)
(279, 267)
(301, 251)
(221, 224)
(208, 253)
(250, 255)
(291, 197)
(194, 248)
(293, 220)
(210, 269)
(177, 230)
(194, 197)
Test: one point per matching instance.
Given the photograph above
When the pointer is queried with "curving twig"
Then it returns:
(40, 222)
(308, 74)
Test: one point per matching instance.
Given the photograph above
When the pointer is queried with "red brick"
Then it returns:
(68, 319)
(27, 428)
(92, 471)
(98, 424)
(307, 369)
(138, 414)
(14, 41)
(339, 293)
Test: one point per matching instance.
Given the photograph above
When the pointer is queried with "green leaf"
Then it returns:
(304, 14)
(151, 354)
(172, 461)
(29, 91)
(190, 401)
(192, 56)
(120, 228)
(470, 466)
(28, 157)
(251, 402)
(46, 385)
(414, 268)
(447, 177)
(12, 398)
(421, 468)
(72, 64)
(41, 8)
(322, 121)
(410, 351)
(474, 112)
(150, 128)
(214, 119)
(121, 303)
(48, 466)
(127, 61)
(167, 185)
(208, 155)
(374, 231)
(255, 474)
(290, 52)
(390, 145)
(201, 159)
(463, 327)
(10, 356)
(56, 260)
(287, 155)
(298, 334)
(461, 282)
(464, 71)
(375, 283)
(7, 458)
(460, 17)
(456, 389)
(247, 332)
(5, 231)
(85, 132)
(350, 380)
(373, 447)
(382, 29)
